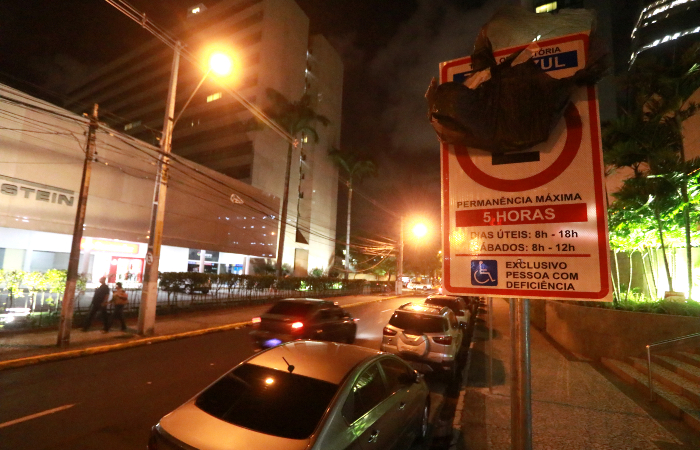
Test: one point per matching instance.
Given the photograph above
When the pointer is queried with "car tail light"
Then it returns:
(256, 320)
(388, 332)
(297, 325)
(444, 340)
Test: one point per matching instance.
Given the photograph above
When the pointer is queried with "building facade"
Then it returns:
(43, 150)
(665, 26)
(273, 49)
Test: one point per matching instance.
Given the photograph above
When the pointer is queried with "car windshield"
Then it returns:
(415, 323)
(268, 401)
(294, 309)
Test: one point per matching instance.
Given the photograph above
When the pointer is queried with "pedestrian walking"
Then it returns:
(120, 298)
(99, 303)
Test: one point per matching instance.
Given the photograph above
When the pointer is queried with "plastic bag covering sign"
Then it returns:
(530, 223)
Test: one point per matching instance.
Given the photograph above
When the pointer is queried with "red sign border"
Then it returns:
(601, 217)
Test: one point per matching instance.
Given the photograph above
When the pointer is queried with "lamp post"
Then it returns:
(399, 275)
(149, 294)
(419, 231)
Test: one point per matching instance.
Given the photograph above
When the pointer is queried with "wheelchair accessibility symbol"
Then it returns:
(484, 272)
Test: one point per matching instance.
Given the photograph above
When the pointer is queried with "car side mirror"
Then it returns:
(407, 378)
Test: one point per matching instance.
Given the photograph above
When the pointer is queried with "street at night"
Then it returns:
(349, 225)
(111, 400)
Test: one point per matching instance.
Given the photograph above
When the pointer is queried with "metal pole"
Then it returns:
(490, 374)
(347, 234)
(66, 321)
(649, 374)
(521, 410)
(149, 293)
(399, 281)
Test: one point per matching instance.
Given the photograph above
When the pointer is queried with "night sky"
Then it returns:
(391, 49)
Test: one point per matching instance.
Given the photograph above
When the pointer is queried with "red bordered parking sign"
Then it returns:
(530, 223)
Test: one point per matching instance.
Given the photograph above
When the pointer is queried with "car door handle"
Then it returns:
(402, 405)
(374, 436)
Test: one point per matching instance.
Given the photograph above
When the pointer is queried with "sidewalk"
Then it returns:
(22, 349)
(576, 403)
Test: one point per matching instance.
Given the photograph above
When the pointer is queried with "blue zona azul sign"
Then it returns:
(548, 63)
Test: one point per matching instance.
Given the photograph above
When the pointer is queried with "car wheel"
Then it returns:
(350, 339)
(205, 291)
(422, 430)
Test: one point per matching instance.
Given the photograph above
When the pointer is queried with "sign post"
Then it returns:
(531, 223)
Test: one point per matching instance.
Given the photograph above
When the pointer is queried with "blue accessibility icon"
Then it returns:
(484, 272)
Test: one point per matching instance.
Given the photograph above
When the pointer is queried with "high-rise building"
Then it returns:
(605, 30)
(273, 49)
(664, 27)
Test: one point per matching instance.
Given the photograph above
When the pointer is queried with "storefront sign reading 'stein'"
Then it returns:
(36, 191)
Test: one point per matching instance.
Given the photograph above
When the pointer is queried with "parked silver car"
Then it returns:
(428, 336)
(303, 395)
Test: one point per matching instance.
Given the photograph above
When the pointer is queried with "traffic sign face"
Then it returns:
(530, 223)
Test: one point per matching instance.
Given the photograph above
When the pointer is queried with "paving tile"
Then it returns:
(575, 405)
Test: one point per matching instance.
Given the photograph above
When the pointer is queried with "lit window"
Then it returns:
(131, 125)
(213, 97)
(196, 10)
(549, 7)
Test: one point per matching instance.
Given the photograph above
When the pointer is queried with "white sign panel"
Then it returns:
(530, 223)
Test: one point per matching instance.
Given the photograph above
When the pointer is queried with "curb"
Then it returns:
(21, 362)
(30, 360)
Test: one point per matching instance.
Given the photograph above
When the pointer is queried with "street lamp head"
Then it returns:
(420, 230)
(220, 64)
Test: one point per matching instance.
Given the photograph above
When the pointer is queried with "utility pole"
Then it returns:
(347, 235)
(149, 293)
(399, 276)
(66, 321)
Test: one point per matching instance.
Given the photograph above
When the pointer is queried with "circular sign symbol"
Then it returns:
(568, 153)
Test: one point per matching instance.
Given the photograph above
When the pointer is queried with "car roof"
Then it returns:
(443, 297)
(422, 308)
(311, 359)
(308, 301)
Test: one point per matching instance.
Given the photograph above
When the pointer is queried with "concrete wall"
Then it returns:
(601, 332)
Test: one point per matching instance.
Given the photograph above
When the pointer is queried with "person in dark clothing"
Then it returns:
(99, 303)
(120, 299)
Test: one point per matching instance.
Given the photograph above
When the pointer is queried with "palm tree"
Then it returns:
(646, 145)
(356, 168)
(662, 89)
(297, 118)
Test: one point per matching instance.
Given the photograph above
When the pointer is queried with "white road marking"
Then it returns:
(34, 416)
(390, 309)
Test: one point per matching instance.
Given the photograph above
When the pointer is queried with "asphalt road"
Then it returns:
(111, 400)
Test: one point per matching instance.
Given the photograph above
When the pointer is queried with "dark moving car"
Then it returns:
(303, 318)
(304, 395)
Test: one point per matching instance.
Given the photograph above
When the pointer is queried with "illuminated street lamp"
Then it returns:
(420, 230)
(221, 65)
